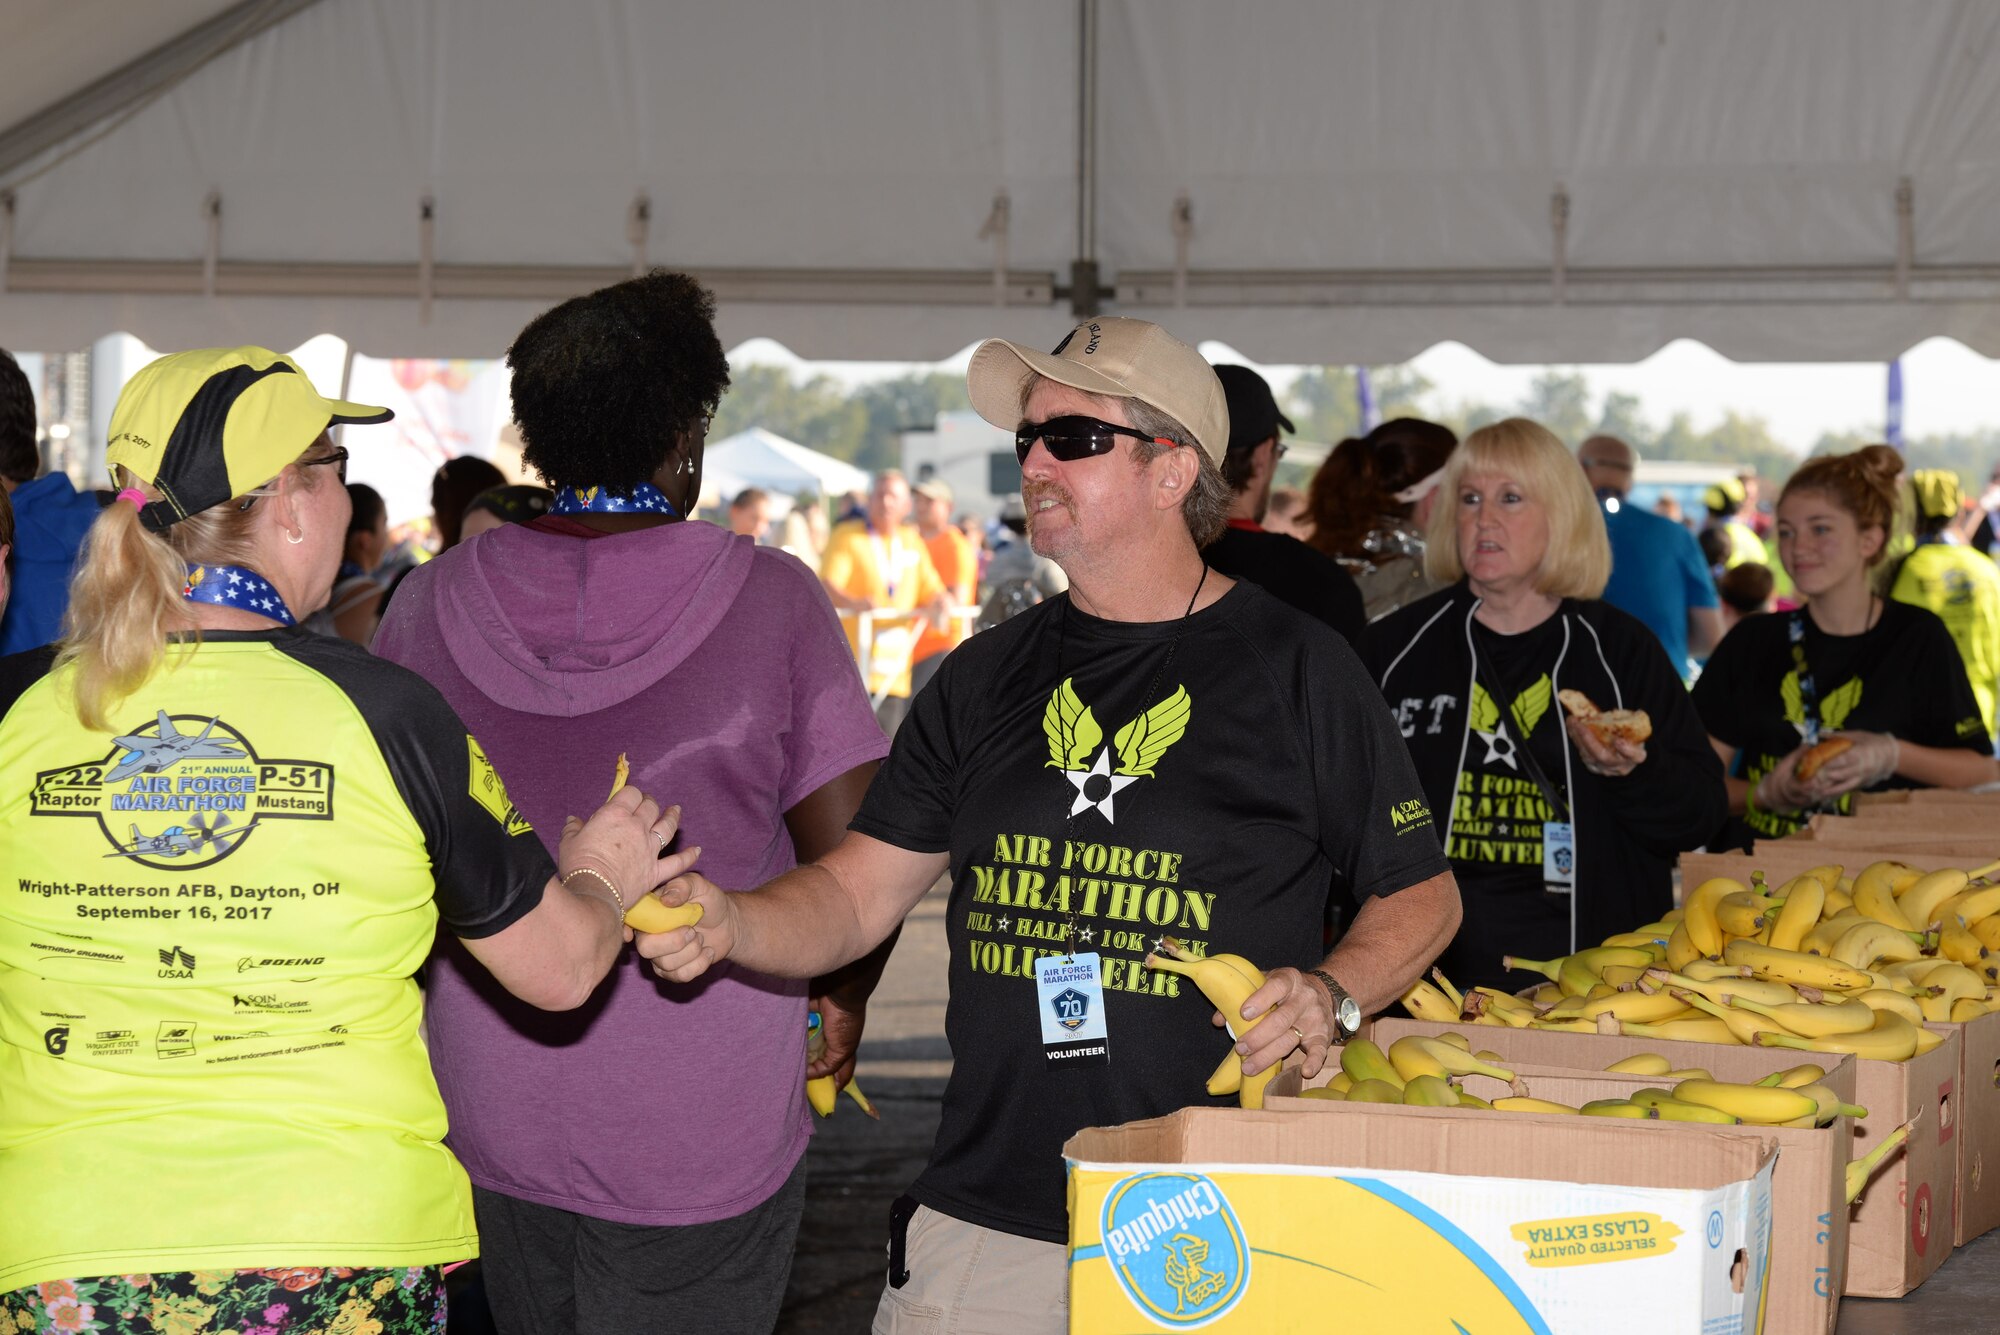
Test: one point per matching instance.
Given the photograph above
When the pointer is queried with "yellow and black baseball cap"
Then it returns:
(208, 426)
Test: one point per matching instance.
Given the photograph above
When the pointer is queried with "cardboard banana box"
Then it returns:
(1810, 1250)
(1370, 1218)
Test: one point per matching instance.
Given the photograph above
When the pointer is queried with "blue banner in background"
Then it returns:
(1892, 431)
(1364, 397)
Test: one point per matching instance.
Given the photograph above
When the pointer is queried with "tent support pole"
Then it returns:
(1906, 236)
(1559, 236)
(1084, 293)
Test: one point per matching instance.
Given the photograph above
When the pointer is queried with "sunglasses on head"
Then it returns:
(1071, 438)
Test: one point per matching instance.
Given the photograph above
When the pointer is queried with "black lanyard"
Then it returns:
(1808, 689)
(1502, 694)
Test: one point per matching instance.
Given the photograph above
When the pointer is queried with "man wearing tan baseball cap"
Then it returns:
(1158, 752)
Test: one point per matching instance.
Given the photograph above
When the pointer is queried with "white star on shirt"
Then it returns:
(1086, 936)
(1100, 768)
(1004, 923)
(1499, 746)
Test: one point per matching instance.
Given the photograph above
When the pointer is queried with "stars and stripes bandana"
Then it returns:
(645, 499)
(238, 587)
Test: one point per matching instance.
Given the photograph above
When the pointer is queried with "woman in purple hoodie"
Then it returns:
(612, 625)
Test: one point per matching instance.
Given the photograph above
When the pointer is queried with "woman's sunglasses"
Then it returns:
(1071, 438)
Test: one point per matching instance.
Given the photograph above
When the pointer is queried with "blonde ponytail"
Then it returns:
(125, 598)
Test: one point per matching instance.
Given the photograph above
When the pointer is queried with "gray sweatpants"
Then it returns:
(552, 1272)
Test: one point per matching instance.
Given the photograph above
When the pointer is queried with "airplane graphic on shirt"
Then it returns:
(1075, 737)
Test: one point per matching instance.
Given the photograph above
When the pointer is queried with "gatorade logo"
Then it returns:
(56, 1040)
(1176, 1247)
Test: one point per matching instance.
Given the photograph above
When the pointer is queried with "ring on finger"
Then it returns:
(1300, 1035)
(659, 839)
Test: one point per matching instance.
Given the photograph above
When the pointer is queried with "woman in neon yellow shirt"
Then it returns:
(230, 845)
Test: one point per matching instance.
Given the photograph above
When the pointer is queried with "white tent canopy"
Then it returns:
(1304, 180)
(759, 458)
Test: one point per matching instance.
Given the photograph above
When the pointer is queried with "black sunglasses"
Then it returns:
(337, 457)
(1071, 438)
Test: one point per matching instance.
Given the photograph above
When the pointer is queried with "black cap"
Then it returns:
(1253, 414)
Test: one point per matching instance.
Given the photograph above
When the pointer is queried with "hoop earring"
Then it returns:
(296, 537)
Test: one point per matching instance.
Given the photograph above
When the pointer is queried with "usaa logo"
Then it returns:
(1176, 1247)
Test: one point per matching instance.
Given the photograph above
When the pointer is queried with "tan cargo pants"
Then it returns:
(968, 1280)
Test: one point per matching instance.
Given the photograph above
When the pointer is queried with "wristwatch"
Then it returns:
(1346, 1010)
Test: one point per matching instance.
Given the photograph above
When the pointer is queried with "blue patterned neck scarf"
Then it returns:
(645, 499)
(237, 587)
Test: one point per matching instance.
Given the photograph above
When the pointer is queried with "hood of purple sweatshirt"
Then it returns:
(550, 624)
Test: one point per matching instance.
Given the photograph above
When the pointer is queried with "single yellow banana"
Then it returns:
(1831, 1105)
(1227, 982)
(1749, 1103)
(1893, 1039)
(1616, 1108)
(1363, 1060)
(1459, 1041)
(1521, 1103)
(820, 1092)
(1974, 904)
(1805, 896)
(1744, 912)
(1681, 951)
(1789, 966)
(1814, 1020)
(1928, 1040)
(1374, 1091)
(1987, 929)
(1824, 935)
(1698, 912)
(1327, 1092)
(1691, 1073)
(1228, 1075)
(1956, 942)
(1860, 1170)
(1966, 1009)
(1466, 1100)
(1921, 902)
(1875, 892)
(1888, 999)
(1743, 1025)
(1839, 898)
(1713, 971)
(1647, 1007)
(1425, 1002)
(620, 776)
(1623, 976)
(1429, 1091)
(1428, 1056)
(648, 914)
(1867, 944)
(1670, 1109)
(1704, 1030)
(1771, 994)
(1796, 1077)
(1341, 1081)
(1641, 1063)
(1642, 939)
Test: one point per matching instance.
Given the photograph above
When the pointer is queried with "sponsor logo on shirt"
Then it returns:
(175, 1038)
(1410, 815)
(176, 963)
(1075, 735)
(183, 791)
(490, 792)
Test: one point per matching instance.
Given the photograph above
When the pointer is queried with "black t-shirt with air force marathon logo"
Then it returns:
(1217, 812)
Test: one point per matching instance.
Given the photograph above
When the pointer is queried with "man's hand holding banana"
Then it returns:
(685, 953)
(1301, 1013)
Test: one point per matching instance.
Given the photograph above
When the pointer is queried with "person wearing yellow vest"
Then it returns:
(1724, 500)
(1953, 580)
(879, 564)
(230, 844)
(957, 566)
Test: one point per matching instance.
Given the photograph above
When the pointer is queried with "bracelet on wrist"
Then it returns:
(617, 898)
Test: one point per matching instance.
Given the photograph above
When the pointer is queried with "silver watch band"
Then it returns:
(1335, 993)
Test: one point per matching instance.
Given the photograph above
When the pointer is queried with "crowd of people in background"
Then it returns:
(1407, 628)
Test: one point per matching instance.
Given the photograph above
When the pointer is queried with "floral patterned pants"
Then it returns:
(296, 1301)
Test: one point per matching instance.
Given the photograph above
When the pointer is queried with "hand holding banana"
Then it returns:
(616, 854)
(647, 913)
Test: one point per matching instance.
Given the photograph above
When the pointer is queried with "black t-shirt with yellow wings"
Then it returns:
(1903, 677)
(1069, 768)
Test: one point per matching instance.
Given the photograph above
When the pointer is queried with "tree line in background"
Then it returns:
(861, 424)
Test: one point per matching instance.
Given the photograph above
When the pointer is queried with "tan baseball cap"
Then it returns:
(934, 489)
(1114, 356)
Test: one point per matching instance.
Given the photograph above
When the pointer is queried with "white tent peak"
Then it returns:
(760, 458)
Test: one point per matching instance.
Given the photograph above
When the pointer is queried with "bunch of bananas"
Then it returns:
(1227, 981)
(1416, 1071)
(1825, 964)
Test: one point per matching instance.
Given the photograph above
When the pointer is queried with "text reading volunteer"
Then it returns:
(229, 844)
(1558, 838)
(1161, 751)
(1882, 676)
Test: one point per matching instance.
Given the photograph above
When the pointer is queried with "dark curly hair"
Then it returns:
(20, 460)
(606, 386)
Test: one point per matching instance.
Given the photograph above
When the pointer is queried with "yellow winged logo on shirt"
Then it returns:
(1076, 745)
(1529, 706)
(1833, 710)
